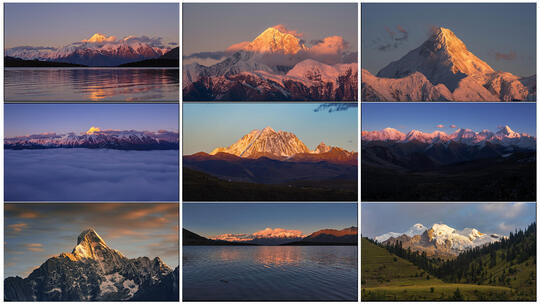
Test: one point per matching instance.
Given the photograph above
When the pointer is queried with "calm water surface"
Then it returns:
(323, 273)
(91, 84)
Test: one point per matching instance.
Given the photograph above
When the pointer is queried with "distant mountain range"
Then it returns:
(98, 50)
(254, 73)
(270, 157)
(440, 240)
(347, 236)
(96, 138)
(95, 272)
(443, 69)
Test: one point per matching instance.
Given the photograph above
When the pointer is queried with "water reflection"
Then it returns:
(92, 84)
(279, 273)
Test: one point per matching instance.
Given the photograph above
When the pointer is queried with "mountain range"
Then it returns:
(504, 136)
(95, 272)
(443, 69)
(95, 138)
(440, 240)
(347, 236)
(98, 50)
(275, 66)
(269, 156)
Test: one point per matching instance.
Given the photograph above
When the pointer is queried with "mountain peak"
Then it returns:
(506, 130)
(93, 130)
(443, 59)
(89, 235)
(98, 37)
(272, 40)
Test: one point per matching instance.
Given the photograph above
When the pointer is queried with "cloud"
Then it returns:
(267, 233)
(206, 55)
(440, 126)
(18, 227)
(506, 228)
(33, 48)
(335, 107)
(502, 56)
(238, 46)
(91, 175)
(392, 40)
(34, 247)
(508, 211)
(283, 29)
(152, 41)
(330, 50)
(173, 43)
(453, 126)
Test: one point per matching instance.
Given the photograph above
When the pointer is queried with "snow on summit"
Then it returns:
(443, 69)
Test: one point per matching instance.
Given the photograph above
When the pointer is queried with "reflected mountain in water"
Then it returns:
(91, 84)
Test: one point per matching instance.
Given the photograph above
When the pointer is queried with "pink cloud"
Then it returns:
(34, 247)
(231, 237)
(503, 56)
(283, 29)
(440, 126)
(238, 46)
(453, 126)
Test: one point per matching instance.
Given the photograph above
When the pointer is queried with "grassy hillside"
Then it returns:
(388, 277)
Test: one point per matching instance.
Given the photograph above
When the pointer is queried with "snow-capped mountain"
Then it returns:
(412, 231)
(274, 66)
(98, 50)
(96, 138)
(95, 272)
(280, 145)
(440, 239)
(505, 137)
(443, 69)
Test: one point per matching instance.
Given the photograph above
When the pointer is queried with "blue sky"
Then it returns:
(486, 29)
(500, 218)
(208, 126)
(227, 24)
(25, 119)
(210, 219)
(35, 232)
(59, 24)
(520, 117)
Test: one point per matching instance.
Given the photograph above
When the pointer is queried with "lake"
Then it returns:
(91, 84)
(270, 273)
(90, 175)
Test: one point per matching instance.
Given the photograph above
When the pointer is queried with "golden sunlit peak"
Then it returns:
(97, 37)
(93, 130)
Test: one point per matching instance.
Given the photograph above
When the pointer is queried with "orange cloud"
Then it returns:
(34, 247)
(18, 227)
(238, 46)
(330, 46)
(29, 215)
(93, 130)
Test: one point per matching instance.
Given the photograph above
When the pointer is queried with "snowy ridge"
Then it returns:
(412, 231)
(95, 138)
(443, 69)
(505, 136)
(268, 142)
(98, 50)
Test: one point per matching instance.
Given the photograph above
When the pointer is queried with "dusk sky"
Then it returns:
(35, 232)
(501, 34)
(26, 119)
(245, 21)
(499, 218)
(520, 117)
(208, 126)
(209, 219)
(60, 24)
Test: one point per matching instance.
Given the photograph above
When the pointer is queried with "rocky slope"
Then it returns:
(283, 145)
(95, 272)
(443, 69)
